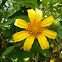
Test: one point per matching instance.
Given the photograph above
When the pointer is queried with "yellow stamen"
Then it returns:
(35, 28)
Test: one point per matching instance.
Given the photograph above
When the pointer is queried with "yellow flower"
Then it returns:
(51, 60)
(34, 29)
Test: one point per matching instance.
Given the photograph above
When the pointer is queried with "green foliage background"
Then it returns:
(14, 9)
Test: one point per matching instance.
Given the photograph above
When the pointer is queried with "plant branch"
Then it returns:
(2, 4)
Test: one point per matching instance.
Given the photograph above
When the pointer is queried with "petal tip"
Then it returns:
(55, 35)
(26, 49)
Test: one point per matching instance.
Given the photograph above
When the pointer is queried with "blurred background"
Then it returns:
(14, 9)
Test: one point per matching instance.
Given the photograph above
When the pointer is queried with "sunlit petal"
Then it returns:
(43, 42)
(38, 15)
(47, 22)
(28, 43)
(50, 34)
(19, 36)
(31, 14)
(21, 23)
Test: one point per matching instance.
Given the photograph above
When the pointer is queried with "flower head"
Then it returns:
(51, 60)
(34, 29)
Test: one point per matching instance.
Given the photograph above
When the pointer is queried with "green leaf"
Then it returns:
(19, 14)
(19, 55)
(9, 32)
(45, 1)
(37, 56)
(29, 3)
(8, 50)
(12, 20)
(59, 32)
(36, 48)
(60, 55)
(46, 52)
(35, 1)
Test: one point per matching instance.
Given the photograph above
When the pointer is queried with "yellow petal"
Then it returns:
(51, 60)
(28, 43)
(50, 34)
(47, 22)
(19, 36)
(31, 14)
(38, 15)
(43, 42)
(21, 23)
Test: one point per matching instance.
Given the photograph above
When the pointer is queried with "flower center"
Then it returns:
(35, 28)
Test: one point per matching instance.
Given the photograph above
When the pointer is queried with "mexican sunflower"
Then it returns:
(34, 30)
